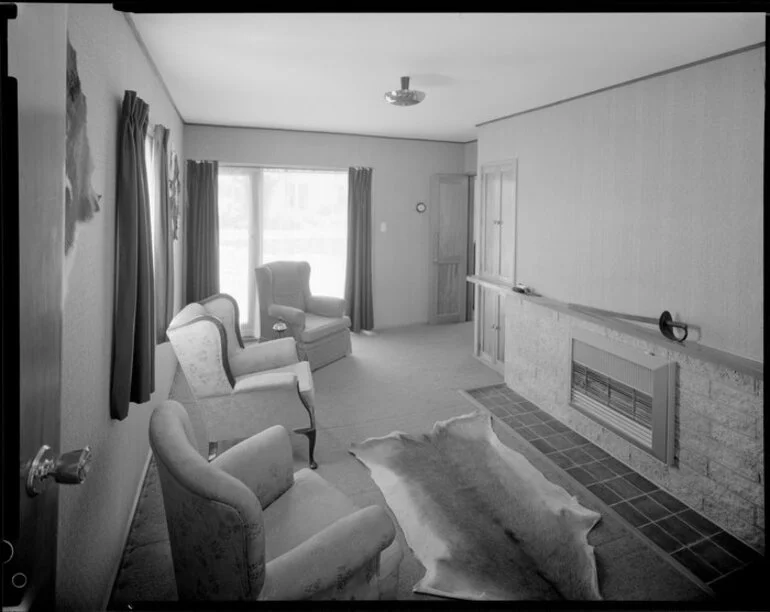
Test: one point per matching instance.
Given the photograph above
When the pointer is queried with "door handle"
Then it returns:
(68, 468)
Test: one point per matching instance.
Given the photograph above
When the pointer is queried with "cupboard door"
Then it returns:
(487, 322)
(500, 352)
(507, 226)
(490, 261)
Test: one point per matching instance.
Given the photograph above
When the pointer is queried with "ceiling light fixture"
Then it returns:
(404, 96)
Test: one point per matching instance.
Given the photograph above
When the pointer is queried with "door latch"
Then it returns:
(68, 468)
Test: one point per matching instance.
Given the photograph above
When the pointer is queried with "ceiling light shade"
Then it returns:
(404, 96)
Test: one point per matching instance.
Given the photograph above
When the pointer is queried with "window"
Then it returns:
(269, 214)
(235, 252)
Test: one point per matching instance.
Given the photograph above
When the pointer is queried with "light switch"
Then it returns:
(383, 227)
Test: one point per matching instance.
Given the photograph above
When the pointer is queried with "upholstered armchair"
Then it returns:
(317, 323)
(246, 527)
(241, 390)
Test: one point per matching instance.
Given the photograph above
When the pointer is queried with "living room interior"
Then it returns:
(483, 260)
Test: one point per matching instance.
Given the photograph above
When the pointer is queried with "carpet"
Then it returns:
(485, 523)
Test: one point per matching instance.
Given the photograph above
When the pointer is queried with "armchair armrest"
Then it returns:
(330, 557)
(263, 382)
(326, 306)
(293, 316)
(264, 356)
(262, 462)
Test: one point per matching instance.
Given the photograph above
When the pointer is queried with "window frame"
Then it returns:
(249, 318)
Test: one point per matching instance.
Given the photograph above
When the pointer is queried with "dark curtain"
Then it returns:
(133, 329)
(358, 275)
(164, 240)
(202, 235)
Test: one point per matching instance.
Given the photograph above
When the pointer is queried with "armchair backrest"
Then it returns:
(200, 343)
(225, 308)
(214, 520)
(281, 282)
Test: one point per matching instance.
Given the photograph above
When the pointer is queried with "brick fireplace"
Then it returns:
(718, 463)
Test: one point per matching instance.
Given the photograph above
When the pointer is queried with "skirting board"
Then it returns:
(127, 531)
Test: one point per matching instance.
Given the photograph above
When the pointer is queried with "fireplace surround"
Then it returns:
(716, 461)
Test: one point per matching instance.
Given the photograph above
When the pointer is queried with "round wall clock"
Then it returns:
(420, 207)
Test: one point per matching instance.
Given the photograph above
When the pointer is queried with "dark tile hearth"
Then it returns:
(727, 565)
(651, 509)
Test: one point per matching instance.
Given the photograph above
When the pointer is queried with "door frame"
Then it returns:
(37, 56)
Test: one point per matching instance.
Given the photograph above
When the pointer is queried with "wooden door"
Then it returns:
(449, 235)
(471, 266)
(37, 58)
(488, 229)
(507, 225)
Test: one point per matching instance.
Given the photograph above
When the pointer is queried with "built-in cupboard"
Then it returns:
(495, 270)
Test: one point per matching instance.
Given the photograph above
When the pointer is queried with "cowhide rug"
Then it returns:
(484, 522)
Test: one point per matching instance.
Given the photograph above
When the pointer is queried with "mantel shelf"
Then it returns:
(693, 349)
(490, 283)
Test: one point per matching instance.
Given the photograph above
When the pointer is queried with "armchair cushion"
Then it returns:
(309, 507)
(326, 306)
(301, 370)
(265, 382)
(317, 327)
(262, 462)
(336, 562)
(264, 356)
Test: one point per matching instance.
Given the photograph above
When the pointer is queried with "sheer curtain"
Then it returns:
(304, 218)
(132, 376)
(272, 214)
(161, 218)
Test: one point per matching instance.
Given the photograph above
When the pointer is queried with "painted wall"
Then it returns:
(648, 197)
(93, 517)
(401, 178)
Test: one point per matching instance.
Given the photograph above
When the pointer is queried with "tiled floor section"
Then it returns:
(723, 562)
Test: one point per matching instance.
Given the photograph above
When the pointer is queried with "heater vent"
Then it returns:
(625, 390)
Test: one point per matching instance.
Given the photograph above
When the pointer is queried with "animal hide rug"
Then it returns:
(484, 522)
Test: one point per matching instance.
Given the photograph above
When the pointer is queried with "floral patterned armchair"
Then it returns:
(246, 527)
(242, 390)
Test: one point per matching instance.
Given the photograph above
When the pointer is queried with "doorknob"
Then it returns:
(69, 468)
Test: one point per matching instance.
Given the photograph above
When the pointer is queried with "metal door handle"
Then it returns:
(69, 468)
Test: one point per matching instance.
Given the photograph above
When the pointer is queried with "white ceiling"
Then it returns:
(328, 72)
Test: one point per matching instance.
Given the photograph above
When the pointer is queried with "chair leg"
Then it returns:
(310, 433)
(311, 444)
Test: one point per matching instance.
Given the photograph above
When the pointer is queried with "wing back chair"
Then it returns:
(246, 527)
(317, 323)
(241, 390)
